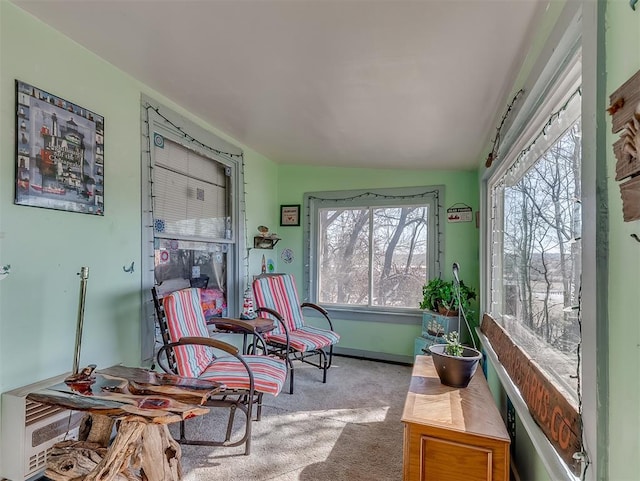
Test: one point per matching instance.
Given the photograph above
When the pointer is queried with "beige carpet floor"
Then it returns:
(348, 429)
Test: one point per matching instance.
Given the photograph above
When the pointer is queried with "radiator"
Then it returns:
(30, 429)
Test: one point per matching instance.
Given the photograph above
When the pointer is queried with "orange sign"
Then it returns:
(557, 418)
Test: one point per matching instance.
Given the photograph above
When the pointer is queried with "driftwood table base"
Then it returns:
(140, 451)
(141, 403)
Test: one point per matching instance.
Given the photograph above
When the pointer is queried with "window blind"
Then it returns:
(191, 194)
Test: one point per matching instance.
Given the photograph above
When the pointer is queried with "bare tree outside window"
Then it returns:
(373, 256)
(541, 255)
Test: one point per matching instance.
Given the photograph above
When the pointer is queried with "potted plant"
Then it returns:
(442, 296)
(455, 364)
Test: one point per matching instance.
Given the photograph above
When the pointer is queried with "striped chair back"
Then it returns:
(280, 294)
(185, 319)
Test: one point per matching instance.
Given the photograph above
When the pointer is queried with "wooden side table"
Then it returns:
(144, 403)
(260, 324)
(452, 433)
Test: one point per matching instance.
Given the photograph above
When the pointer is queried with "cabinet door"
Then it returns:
(454, 461)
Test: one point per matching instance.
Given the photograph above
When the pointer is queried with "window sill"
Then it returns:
(370, 315)
(555, 466)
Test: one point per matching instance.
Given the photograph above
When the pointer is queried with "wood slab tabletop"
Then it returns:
(121, 391)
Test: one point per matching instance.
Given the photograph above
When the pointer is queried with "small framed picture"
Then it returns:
(290, 215)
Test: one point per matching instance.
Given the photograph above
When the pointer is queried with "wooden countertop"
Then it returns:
(470, 410)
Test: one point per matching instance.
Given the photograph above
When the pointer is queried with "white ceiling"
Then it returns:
(388, 83)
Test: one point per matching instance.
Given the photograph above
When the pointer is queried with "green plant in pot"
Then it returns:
(442, 296)
(455, 364)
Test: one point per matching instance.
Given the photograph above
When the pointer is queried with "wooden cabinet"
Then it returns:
(452, 434)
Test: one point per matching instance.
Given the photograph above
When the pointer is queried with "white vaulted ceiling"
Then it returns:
(389, 83)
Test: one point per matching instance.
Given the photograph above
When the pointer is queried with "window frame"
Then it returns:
(380, 197)
(175, 127)
(565, 43)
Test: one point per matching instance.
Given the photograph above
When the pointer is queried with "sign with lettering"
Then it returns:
(459, 213)
(557, 418)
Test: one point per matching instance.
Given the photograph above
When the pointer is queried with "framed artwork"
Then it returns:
(59, 153)
(290, 215)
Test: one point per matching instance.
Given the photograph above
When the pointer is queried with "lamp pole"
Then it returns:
(84, 275)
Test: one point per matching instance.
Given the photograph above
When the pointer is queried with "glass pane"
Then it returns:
(203, 264)
(399, 256)
(343, 263)
(190, 194)
(541, 260)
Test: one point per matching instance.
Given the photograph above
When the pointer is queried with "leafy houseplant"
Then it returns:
(442, 296)
(453, 346)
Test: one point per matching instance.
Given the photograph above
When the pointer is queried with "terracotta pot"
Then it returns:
(446, 312)
(455, 371)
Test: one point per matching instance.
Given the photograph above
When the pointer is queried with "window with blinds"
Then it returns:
(192, 230)
(191, 195)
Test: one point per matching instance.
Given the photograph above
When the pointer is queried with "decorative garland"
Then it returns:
(190, 138)
(496, 140)
(543, 132)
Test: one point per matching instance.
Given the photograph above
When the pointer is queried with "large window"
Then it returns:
(536, 253)
(534, 257)
(372, 250)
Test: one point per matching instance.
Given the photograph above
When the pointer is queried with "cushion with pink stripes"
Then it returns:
(306, 338)
(280, 294)
(269, 373)
(186, 319)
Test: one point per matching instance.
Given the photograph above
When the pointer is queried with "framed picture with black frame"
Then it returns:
(290, 215)
(59, 153)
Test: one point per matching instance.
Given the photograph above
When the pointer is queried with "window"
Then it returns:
(372, 250)
(193, 214)
(536, 250)
(534, 271)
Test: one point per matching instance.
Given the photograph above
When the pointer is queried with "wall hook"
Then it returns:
(633, 4)
(5, 271)
(129, 269)
(635, 236)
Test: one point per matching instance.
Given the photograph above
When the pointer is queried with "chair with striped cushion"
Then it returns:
(276, 297)
(189, 352)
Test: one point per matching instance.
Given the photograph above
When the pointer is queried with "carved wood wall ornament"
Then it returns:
(625, 112)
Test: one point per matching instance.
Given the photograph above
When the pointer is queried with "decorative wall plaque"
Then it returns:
(625, 111)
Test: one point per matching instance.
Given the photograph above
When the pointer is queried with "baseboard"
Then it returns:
(373, 356)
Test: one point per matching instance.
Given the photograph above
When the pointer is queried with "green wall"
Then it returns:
(47, 248)
(622, 61)
(460, 239)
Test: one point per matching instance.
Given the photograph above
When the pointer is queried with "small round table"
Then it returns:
(260, 324)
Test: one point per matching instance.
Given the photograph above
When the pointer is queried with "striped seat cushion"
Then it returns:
(280, 294)
(306, 338)
(185, 318)
(269, 373)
